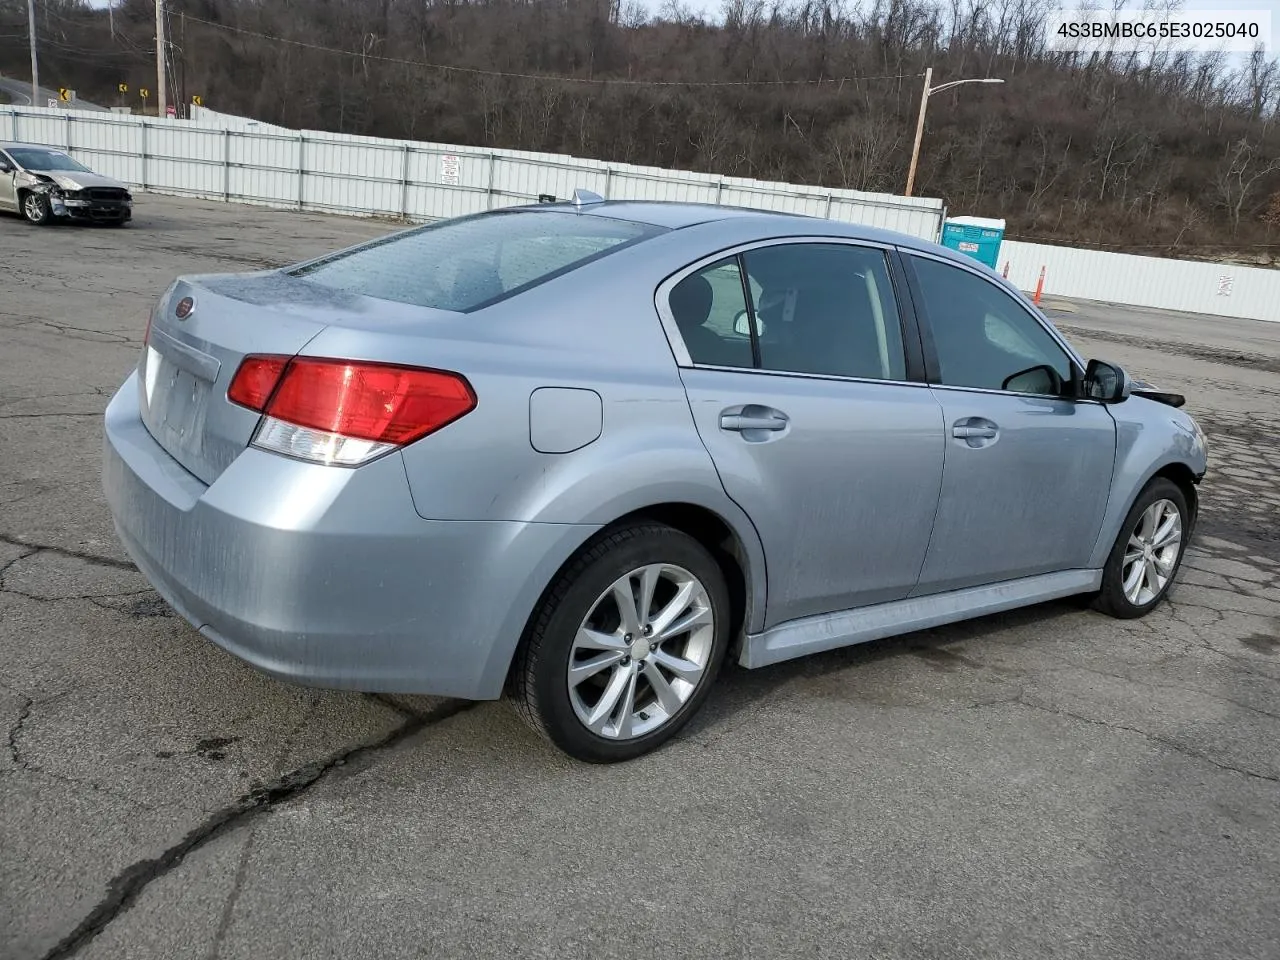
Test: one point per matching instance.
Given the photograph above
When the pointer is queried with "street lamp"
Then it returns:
(924, 102)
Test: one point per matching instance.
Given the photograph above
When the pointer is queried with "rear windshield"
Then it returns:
(471, 262)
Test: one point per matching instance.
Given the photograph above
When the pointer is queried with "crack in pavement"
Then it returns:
(96, 559)
(16, 729)
(1154, 738)
(125, 888)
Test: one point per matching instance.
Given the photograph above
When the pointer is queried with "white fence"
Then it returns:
(230, 158)
(1222, 289)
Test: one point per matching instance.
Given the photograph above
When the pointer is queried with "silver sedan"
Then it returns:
(46, 185)
(581, 453)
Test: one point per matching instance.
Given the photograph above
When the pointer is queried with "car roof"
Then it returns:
(675, 215)
(29, 146)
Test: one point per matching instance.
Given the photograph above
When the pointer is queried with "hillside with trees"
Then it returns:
(1176, 154)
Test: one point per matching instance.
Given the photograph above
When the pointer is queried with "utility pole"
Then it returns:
(915, 151)
(924, 103)
(161, 100)
(35, 66)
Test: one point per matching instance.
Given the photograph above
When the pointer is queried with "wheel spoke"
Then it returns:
(627, 705)
(662, 689)
(1169, 532)
(1132, 557)
(674, 607)
(1164, 565)
(585, 669)
(1133, 579)
(1135, 543)
(648, 583)
(589, 639)
(686, 670)
(608, 702)
(694, 618)
(625, 598)
(1152, 577)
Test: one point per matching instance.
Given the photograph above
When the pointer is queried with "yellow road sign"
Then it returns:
(123, 88)
(197, 100)
(64, 94)
(144, 93)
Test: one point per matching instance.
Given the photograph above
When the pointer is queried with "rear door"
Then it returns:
(1028, 466)
(799, 371)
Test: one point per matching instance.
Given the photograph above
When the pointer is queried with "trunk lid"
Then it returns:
(187, 364)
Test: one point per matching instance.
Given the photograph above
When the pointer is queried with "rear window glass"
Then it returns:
(471, 262)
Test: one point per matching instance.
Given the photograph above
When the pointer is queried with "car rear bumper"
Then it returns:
(327, 576)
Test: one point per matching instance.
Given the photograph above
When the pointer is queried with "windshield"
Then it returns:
(30, 159)
(470, 262)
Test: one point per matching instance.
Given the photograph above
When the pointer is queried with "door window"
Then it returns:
(984, 338)
(710, 309)
(815, 308)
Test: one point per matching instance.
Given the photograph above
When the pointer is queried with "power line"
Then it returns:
(543, 77)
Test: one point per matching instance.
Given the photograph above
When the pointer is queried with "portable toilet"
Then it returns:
(977, 237)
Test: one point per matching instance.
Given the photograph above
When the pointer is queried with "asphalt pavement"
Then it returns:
(1047, 783)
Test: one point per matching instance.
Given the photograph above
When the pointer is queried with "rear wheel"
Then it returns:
(1147, 554)
(35, 207)
(626, 645)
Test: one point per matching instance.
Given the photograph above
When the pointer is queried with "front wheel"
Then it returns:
(1147, 553)
(35, 207)
(625, 646)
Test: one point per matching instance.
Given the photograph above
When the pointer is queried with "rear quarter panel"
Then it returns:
(595, 329)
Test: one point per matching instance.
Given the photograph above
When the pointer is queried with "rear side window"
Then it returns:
(471, 262)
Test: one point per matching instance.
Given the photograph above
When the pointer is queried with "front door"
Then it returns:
(799, 388)
(1028, 468)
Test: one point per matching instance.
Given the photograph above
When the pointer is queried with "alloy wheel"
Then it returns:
(1151, 553)
(641, 652)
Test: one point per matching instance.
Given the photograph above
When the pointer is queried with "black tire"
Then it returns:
(1111, 598)
(35, 209)
(539, 685)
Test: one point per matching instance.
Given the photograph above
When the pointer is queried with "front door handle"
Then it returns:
(975, 431)
(971, 432)
(739, 422)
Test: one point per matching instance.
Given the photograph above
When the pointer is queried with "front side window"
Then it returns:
(825, 309)
(984, 338)
(468, 263)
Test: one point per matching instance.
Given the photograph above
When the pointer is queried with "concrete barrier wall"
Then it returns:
(1185, 285)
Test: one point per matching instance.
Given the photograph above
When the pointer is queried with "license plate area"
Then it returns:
(175, 398)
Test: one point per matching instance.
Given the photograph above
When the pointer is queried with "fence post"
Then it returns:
(404, 184)
(66, 134)
(14, 116)
(493, 164)
(144, 154)
(830, 199)
(719, 190)
(608, 178)
(226, 164)
(302, 139)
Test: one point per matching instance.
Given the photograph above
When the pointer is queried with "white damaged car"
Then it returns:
(45, 185)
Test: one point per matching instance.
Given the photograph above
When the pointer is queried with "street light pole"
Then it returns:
(924, 103)
(161, 41)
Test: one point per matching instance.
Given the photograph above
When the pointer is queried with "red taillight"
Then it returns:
(378, 402)
(257, 377)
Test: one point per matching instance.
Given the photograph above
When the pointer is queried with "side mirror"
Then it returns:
(1041, 379)
(742, 324)
(1106, 382)
(4, 167)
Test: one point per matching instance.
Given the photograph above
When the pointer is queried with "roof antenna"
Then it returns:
(582, 197)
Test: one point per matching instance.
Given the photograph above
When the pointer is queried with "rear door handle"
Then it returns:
(738, 422)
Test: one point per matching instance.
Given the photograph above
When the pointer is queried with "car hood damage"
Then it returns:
(74, 179)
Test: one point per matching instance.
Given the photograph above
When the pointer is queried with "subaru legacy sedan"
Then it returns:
(580, 453)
